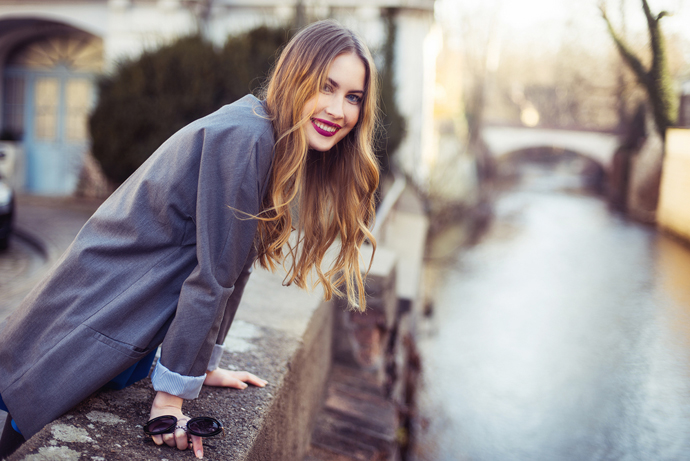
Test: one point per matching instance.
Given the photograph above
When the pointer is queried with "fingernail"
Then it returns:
(199, 454)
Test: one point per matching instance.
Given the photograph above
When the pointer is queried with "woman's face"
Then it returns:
(335, 109)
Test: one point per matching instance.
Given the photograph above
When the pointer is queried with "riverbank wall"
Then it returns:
(673, 214)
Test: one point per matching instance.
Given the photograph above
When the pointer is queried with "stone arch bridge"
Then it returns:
(596, 145)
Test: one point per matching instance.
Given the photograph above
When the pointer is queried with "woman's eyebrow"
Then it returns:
(335, 85)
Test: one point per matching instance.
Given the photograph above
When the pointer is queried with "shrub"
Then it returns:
(149, 98)
(392, 129)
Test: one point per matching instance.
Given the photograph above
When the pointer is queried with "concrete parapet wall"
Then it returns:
(673, 213)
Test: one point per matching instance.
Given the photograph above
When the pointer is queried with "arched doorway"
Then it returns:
(48, 94)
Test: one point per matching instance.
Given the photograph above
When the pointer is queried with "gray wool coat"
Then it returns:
(163, 260)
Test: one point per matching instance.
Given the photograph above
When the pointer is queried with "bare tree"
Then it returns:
(656, 79)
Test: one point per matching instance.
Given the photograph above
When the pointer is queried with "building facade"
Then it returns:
(52, 52)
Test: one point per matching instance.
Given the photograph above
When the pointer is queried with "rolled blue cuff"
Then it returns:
(215, 357)
(186, 387)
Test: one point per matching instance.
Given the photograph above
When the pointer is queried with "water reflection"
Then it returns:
(563, 335)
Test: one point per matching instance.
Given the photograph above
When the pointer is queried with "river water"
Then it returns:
(564, 334)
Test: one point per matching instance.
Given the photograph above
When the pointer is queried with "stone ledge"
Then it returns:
(282, 334)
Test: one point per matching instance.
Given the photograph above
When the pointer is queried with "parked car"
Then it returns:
(6, 212)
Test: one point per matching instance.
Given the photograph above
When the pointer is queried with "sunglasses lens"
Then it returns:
(204, 426)
(160, 425)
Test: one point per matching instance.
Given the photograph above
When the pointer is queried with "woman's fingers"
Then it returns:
(157, 439)
(237, 379)
(253, 379)
(181, 439)
(169, 439)
(197, 446)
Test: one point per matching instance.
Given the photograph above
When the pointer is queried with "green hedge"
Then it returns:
(393, 125)
(148, 99)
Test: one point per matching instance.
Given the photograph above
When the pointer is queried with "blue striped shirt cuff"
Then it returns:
(215, 357)
(186, 387)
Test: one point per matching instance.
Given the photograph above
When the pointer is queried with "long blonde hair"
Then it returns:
(334, 190)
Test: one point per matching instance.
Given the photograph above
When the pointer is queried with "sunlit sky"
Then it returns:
(546, 21)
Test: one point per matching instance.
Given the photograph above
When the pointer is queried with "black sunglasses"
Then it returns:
(201, 426)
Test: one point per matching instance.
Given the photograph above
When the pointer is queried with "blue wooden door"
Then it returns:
(51, 92)
(55, 139)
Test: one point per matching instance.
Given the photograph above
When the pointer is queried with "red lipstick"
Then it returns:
(315, 122)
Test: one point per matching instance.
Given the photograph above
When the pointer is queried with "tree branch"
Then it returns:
(626, 53)
(651, 20)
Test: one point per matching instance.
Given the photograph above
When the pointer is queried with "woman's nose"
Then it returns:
(335, 107)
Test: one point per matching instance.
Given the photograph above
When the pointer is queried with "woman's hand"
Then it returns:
(237, 379)
(168, 404)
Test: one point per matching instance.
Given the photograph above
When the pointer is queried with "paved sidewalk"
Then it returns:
(44, 228)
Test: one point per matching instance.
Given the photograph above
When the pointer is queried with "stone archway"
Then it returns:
(599, 146)
(48, 91)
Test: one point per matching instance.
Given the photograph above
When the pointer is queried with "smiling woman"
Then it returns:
(326, 79)
(164, 261)
(334, 111)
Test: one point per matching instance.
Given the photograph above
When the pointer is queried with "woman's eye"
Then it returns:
(353, 98)
(327, 88)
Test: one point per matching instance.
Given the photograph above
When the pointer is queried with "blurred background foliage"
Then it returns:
(391, 130)
(149, 98)
(656, 78)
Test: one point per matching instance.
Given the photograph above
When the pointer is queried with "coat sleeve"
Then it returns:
(230, 310)
(230, 186)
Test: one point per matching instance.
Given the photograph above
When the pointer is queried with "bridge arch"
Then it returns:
(505, 140)
(559, 167)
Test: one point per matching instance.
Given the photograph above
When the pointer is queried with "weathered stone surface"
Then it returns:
(357, 421)
(54, 454)
(372, 383)
(361, 338)
(102, 417)
(69, 433)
